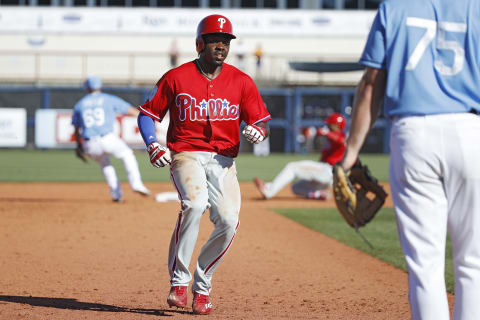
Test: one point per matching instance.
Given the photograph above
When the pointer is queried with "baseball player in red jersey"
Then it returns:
(207, 99)
(314, 177)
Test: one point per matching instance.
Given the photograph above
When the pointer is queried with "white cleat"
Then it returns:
(143, 191)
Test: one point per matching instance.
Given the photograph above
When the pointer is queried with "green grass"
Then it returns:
(62, 165)
(380, 232)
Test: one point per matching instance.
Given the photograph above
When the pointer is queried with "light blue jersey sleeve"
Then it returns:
(374, 53)
(119, 105)
(430, 50)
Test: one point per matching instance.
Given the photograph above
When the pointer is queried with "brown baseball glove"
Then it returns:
(80, 153)
(358, 195)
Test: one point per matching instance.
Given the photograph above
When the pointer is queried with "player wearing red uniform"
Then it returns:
(207, 99)
(314, 178)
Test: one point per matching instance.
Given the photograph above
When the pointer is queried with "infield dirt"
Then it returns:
(68, 252)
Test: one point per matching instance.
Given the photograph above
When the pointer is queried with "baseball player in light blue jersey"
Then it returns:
(422, 63)
(93, 118)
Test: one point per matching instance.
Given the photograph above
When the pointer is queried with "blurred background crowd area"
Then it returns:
(276, 4)
(301, 53)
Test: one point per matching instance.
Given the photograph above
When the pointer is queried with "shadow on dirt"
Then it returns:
(73, 304)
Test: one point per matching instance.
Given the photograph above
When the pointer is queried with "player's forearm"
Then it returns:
(265, 126)
(335, 136)
(146, 125)
(132, 112)
(367, 103)
(362, 118)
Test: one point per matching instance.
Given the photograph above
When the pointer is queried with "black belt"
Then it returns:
(99, 136)
(474, 111)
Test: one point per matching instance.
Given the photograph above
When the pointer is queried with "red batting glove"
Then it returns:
(159, 155)
(254, 134)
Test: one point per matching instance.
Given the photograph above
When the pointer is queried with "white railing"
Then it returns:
(65, 67)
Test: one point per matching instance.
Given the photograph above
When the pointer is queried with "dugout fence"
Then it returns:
(293, 110)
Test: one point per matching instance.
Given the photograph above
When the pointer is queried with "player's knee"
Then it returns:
(103, 161)
(195, 207)
(127, 155)
(229, 223)
(291, 165)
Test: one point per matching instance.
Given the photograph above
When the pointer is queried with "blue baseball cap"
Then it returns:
(93, 83)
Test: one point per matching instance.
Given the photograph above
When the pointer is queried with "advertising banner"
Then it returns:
(13, 127)
(54, 129)
(181, 21)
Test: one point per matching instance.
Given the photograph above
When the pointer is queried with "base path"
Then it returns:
(68, 252)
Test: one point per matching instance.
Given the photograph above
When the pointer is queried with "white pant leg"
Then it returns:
(110, 175)
(189, 178)
(305, 170)
(421, 213)
(225, 201)
(133, 173)
(442, 154)
(94, 148)
(115, 146)
(462, 183)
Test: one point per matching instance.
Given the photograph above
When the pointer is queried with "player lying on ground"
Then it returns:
(314, 178)
(207, 100)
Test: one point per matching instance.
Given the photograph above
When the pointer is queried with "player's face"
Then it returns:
(334, 127)
(216, 48)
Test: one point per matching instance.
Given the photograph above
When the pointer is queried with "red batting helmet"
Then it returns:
(213, 24)
(337, 118)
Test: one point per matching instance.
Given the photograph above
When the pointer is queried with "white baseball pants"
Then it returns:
(203, 180)
(435, 183)
(313, 175)
(100, 148)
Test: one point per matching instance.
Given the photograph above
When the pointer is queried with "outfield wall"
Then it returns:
(47, 115)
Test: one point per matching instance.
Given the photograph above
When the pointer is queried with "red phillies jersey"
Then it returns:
(205, 115)
(334, 152)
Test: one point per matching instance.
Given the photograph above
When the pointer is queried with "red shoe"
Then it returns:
(260, 186)
(201, 304)
(177, 297)
(319, 195)
(325, 195)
